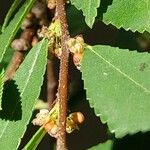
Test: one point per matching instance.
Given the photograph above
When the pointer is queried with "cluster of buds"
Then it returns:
(53, 34)
(49, 121)
(51, 4)
(40, 11)
(76, 46)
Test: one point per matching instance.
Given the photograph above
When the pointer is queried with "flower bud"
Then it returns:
(77, 117)
(20, 45)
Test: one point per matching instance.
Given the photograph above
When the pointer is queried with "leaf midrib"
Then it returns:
(120, 71)
(5, 127)
(31, 70)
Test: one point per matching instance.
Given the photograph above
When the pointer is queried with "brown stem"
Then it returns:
(20, 48)
(13, 66)
(63, 76)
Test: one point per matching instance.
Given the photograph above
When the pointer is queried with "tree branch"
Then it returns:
(20, 46)
(63, 76)
(14, 65)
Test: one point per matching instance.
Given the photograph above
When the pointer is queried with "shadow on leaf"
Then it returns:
(11, 104)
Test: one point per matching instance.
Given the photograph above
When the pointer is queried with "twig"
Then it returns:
(20, 46)
(63, 76)
(14, 64)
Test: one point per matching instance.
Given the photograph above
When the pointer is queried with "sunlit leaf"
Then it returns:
(117, 83)
(89, 8)
(10, 31)
(28, 78)
(10, 13)
(129, 14)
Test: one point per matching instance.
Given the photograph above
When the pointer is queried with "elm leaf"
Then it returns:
(89, 8)
(117, 83)
(10, 13)
(129, 14)
(10, 31)
(28, 78)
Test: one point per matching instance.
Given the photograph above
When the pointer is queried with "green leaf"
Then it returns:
(10, 31)
(129, 14)
(35, 140)
(117, 83)
(29, 78)
(8, 56)
(10, 13)
(89, 8)
(103, 146)
(1, 87)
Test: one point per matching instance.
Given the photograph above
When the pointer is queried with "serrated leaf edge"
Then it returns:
(11, 10)
(25, 126)
(125, 28)
(105, 118)
(121, 72)
(7, 121)
(17, 26)
(90, 24)
(122, 26)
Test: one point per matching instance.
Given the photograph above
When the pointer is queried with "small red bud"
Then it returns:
(77, 58)
(78, 117)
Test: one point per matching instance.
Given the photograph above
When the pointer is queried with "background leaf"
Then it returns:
(29, 78)
(129, 14)
(1, 86)
(117, 83)
(103, 146)
(8, 56)
(89, 8)
(11, 30)
(10, 13)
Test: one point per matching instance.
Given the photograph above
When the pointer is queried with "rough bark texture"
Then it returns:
(63, 76)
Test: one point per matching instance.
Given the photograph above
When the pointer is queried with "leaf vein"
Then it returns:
(121, 72)
(30, 72)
